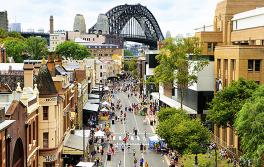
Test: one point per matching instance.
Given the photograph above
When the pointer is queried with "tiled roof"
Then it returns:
(44, 81)
(12, 80)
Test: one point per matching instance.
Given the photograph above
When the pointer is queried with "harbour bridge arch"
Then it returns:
(133, 23)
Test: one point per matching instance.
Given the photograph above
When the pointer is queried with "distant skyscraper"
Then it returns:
(3, 20)
(79, 24)
(168, 34)
(51, 25)
(102, 25)
(15, 27)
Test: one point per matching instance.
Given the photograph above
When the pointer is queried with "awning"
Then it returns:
(105, 103)
(99, 133)
(91, 107)
(93, 96)
(85, 164)
(94, 101)
(172, 103)
(73, 144)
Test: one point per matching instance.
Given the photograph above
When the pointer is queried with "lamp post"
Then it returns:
(196, 160)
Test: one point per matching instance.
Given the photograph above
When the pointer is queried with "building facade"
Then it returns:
(56, 39)
(79, 24)
(3, 20)
(50, 120)
(236, 43)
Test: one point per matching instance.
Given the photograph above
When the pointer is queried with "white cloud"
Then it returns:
(177, 16)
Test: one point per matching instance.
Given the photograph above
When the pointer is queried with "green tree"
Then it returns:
(3, 33)
(166, 113)
(228, 102)
(15, 48)
(250, 127)
(179, 63)
(37, 47)
(128, 53)
(182, 133)
(70, 49)
(131, 67)
(15, 34)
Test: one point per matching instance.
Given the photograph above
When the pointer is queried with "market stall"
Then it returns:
(156, 143)
(104, 114)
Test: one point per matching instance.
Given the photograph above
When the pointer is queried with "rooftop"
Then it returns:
(5, 124)
(250, 13)
(44, 81)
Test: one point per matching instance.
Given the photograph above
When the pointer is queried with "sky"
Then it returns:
(176, 16)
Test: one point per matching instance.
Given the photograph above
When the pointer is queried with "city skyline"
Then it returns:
(171, 16)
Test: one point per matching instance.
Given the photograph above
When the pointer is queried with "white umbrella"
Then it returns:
(85, 164)
(105, 103)
(106, 88)
(104, 110)
(99, 133)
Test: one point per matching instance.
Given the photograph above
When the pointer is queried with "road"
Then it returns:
(119, 130)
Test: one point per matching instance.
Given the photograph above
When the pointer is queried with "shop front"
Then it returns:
(50, 158)
(90, 114)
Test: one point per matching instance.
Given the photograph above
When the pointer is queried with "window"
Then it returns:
(257, 82)
(257, 65)
(101, 74)
(250, 65)
(45, 113)
(101, 67)
(46, 140)
(233, 68)
(209, 46)
(34, 130)
(29, 134)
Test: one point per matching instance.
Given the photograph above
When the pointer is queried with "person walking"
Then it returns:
(135, 162)
(136, 132)
(141, 162)
(102, 152)
(146, 164)
(141, 147)
(119, 163)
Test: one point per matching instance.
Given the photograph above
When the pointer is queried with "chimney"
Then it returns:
(51, 25)
(2, 54)
(51, 64)
(58, 60)
(28, 75)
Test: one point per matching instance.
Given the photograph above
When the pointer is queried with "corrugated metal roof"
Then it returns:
(91, 107)
(75, 141)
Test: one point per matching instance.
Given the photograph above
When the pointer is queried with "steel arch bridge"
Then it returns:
(133, 23)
